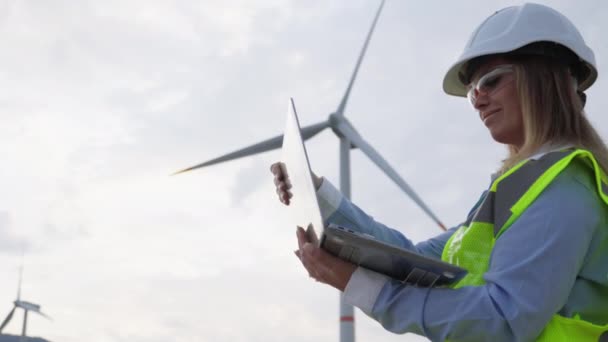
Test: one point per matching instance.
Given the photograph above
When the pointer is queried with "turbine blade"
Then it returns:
(42, 314)
(342, 105)
(266, 145)
(312, 130)
(7, 319)
(351, 134)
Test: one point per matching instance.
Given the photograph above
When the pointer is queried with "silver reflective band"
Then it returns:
(488, 83)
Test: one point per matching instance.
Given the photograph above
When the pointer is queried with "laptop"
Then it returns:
(344, 242)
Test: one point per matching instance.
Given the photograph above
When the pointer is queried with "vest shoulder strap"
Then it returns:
(515, 190)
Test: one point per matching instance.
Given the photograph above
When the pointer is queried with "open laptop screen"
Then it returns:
(355, 247)
(304, 208)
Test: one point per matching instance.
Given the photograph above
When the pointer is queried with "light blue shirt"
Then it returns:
(553, 259)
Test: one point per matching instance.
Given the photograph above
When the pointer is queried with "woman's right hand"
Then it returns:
(281, 182)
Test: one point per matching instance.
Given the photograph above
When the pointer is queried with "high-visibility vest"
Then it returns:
(471, 245)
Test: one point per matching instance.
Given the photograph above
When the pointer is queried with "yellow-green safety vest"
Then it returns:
(471, 245)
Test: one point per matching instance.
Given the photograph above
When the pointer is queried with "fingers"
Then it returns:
(279, 170)
(305, 252)
(308, 235)
(312, 257)
(321, 265)
(317, 262)
(311, 234)
(281, 182)
(284, 196)
(283, 185)
(301, 235)
(277, 167)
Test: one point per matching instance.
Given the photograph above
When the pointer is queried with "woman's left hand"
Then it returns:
(321, 265)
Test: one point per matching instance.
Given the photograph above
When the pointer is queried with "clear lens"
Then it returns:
(488, 83)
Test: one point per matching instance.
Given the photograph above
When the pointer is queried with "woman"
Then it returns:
(536, 242)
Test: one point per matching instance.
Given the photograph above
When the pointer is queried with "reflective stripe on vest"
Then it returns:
(509, 196)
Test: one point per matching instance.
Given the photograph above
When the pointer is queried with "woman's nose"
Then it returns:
(481, 100)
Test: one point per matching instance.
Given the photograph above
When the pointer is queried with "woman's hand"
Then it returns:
(282, 183)
(322, 266)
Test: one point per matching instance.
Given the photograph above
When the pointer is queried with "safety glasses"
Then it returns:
(489, 83)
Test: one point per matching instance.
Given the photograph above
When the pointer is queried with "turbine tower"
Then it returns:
(26, 306)
(349, 138)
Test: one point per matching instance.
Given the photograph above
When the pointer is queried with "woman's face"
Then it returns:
(497, 102)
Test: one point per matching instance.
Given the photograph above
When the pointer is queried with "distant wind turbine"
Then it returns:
(349, 138)
(26, 306)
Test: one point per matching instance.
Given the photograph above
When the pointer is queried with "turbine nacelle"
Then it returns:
(27, 305)
(337, 123)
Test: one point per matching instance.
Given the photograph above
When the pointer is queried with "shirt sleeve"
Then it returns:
(532, 270)
(329, 199)
(336, 209)
(364, 285)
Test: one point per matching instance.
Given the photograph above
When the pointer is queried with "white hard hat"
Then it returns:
(515, 27)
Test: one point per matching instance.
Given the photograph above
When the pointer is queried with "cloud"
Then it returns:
(9, 242)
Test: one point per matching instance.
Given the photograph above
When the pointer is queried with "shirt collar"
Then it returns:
(547, 148)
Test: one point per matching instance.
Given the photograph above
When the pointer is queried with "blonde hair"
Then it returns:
(552, 111)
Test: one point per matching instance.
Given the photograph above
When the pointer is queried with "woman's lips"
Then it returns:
(486, 115)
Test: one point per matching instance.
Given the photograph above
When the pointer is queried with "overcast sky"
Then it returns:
(102, 100)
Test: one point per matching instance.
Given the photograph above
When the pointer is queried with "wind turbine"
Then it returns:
(349, 138)
(26, 306)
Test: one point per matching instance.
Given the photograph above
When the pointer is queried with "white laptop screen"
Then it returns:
(304, 208)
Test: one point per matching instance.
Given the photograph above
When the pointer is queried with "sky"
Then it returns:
(102, 100)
